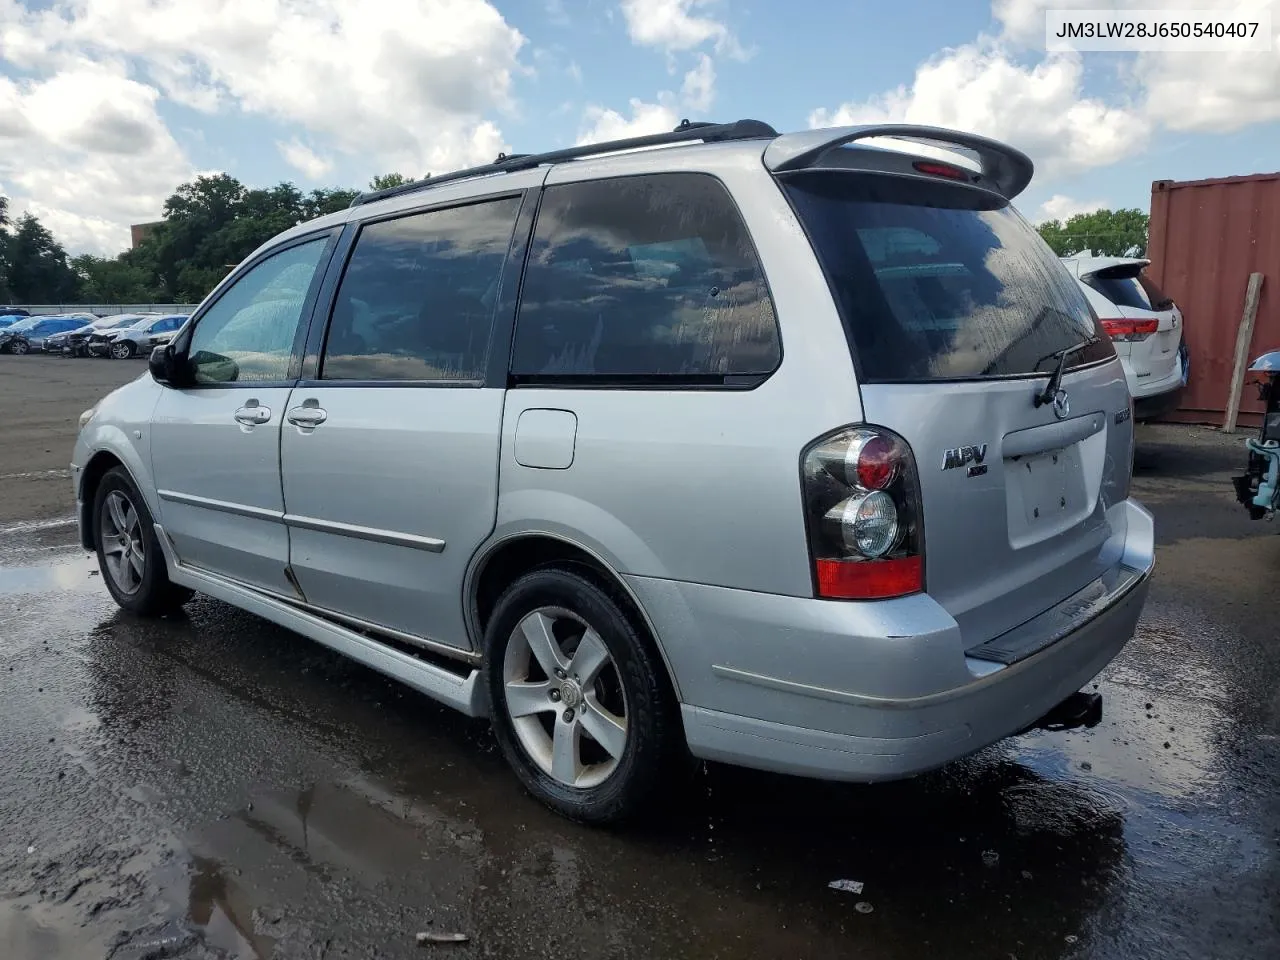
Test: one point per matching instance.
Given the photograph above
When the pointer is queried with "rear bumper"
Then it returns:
(1154, 399)
(875, 691)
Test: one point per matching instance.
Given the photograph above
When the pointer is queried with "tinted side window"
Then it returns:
(417, 299)
(248, 334)
(642, 277)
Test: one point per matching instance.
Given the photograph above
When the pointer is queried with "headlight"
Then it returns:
(88, 415)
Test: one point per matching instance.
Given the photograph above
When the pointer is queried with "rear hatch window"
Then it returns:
(1127, 285)
(941, 282)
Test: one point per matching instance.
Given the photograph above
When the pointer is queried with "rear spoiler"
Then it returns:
(1008, 169)
(1123, 270)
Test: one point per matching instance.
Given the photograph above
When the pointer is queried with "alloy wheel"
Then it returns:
(121, 351)
(123, 547)
(18, 346)
(565, 697)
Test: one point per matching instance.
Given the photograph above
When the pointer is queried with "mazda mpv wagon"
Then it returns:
(801, 452)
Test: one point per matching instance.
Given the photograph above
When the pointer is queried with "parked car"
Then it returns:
(74, 343)
(1145, 326)
(526, 437)
(8, 320)
(131, 341)
(29, 334)
(6, 312)
(1258, 488)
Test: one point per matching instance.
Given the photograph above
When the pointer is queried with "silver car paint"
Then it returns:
(692, 498)
(418, 467)
(698, 485)
(218, 481)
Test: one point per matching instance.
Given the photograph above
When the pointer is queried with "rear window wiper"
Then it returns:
(1055, 379)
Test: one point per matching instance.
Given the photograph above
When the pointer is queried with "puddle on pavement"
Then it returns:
(74, 573)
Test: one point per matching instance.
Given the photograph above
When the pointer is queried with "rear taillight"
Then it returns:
(1124, 329)
(863, 513)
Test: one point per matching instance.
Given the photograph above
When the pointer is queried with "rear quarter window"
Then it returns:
(650, 278)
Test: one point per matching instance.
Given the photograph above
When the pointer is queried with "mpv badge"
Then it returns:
(960, 456)
(1061, 404)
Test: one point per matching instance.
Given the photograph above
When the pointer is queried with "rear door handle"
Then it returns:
(310, 414)
(253, 413)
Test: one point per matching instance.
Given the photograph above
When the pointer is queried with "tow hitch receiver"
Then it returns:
(1078, 710)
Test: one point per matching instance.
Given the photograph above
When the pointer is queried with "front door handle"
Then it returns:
(253, 413)
(310, 414)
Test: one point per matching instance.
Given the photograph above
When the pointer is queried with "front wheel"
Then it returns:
(579, 700)
(121, 350)
(129, 554)
(18, 346)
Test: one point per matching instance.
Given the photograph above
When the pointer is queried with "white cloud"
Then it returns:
(303, 159)
(1208, 92)
(1215, 92)
(87, 153)
(670, 24)
(413, 88)
(678, 25)
(600, 124)
(1006, 86)
(1060, 207)
(1042, 110)
(698, 90)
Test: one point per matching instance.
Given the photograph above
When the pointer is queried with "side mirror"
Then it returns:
(161, 364)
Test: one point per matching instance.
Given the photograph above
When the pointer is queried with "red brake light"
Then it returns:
(862, 507)
(940, 170)
(1124, 329)
(877, 463)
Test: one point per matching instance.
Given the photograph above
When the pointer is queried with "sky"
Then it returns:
(106, 106)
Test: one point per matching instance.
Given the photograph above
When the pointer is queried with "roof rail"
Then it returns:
(687, 132)
(1008, 169)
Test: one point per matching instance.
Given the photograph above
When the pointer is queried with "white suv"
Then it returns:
(1145, 326)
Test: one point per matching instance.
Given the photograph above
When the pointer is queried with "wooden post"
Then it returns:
(1244, 336)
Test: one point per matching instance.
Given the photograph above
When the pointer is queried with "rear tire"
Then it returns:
(586, 720)
(129, 554)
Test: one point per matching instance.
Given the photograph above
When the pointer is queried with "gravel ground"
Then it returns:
(41, 398)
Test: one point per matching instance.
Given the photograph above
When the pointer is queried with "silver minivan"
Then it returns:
(801, 452)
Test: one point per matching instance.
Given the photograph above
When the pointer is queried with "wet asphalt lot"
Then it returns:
(211, 786)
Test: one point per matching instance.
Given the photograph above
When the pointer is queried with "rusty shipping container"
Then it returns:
(1206, 237)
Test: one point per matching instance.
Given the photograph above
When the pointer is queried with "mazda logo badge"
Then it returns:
(1061, 405)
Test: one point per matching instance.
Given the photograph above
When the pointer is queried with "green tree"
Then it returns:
(38, 271)
(118, 280)
(5, 294)
(384, 181)
(321, 202)
(186, 247)
(1111, 233)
